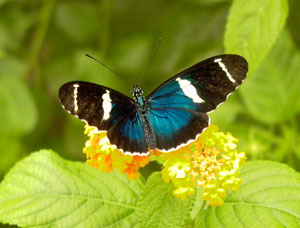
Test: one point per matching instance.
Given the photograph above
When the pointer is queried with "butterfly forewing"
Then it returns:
(98, 105)
(205, 85)
(178, 107)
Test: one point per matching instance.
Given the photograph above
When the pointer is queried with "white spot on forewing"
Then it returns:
(75, 97)
(222, 65)
(189, 90)
(106, 105)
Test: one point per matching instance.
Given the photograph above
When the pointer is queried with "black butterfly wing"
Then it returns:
(108, 110)
(178, 107)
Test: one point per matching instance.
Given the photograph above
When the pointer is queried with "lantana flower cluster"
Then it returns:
(106, 157)
(211, 162)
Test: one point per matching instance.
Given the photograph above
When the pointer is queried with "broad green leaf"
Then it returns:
(45, 190)
(271, 94)
(159, 208)
(18, 115)
(269, 197)
(253, 27)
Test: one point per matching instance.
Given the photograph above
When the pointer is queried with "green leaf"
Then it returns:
(159, 208)
(20, 113)
(269, 197)
(272, 93)
(253, 27)
(44, 190)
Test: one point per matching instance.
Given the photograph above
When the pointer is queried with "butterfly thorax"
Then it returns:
(139, 99)
(142, 108)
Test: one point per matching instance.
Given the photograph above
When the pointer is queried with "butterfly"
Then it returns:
(173, 115)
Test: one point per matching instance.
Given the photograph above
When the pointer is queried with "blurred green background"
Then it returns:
(43, 45)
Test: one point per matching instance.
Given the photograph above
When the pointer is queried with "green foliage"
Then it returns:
(78, 20)
(159, 208)
(20, 114)
(266, 115)
(272, 104)
(268, 197)
(47, 191)
(250, 32)
(42, 46)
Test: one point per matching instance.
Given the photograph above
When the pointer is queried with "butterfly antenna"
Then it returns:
(107, 67)
(154, 51)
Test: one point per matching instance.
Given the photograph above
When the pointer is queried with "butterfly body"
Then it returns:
(171, 116)
(142, 107)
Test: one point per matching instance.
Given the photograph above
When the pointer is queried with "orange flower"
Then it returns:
(105, 157)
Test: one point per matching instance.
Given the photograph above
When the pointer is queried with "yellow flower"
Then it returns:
(211, 162)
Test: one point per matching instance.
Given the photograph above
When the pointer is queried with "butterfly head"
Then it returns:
(137, 91)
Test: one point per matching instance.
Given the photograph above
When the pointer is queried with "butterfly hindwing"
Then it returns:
(172, 126)
(108, 110)
(178, 107)
(128, 135)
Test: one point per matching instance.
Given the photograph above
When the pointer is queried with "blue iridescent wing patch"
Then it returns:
(178, 107)
(174, 127)
(108, 110)
(128, 135)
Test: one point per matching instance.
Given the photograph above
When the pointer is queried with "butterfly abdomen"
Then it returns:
(148, 130)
